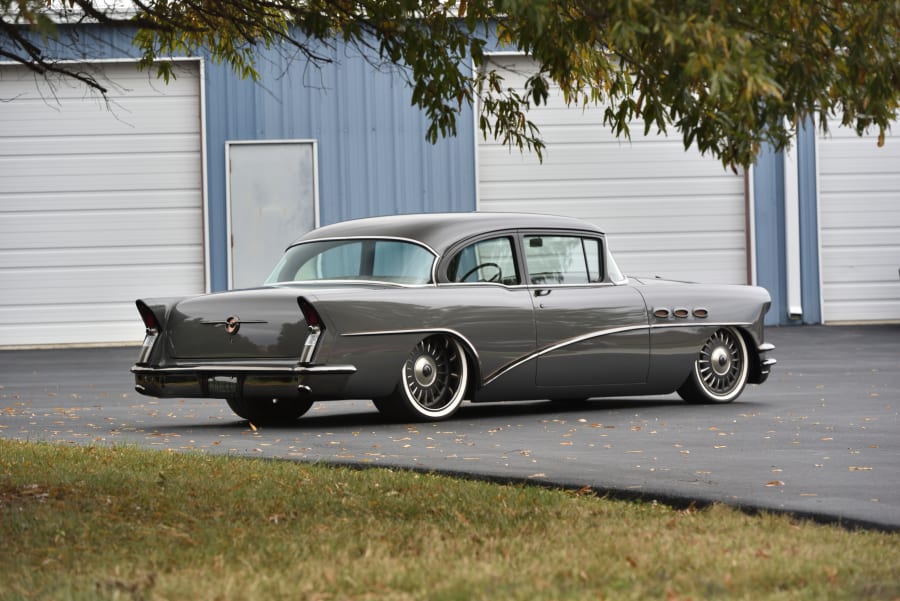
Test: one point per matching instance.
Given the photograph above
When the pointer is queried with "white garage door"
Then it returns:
(100, 202)
(667, 212)
(859, 203)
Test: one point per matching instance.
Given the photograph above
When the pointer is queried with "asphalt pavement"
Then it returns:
(820, 439)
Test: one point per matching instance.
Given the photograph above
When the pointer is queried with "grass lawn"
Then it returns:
(124, 523)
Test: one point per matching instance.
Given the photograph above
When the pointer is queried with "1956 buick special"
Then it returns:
(421, 312)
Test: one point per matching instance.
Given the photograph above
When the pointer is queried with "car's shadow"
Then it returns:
(361, 414)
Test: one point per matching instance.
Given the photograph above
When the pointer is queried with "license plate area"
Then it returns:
(225, 387)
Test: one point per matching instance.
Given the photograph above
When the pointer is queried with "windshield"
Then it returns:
(394, 261)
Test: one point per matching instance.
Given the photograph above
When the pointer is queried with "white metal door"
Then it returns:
(273, 199)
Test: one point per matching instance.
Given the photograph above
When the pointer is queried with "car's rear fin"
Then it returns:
(310, 314)
(149, 318)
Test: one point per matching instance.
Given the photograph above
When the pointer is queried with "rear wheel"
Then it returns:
(433, 381)
(271, 412)
(720, 371)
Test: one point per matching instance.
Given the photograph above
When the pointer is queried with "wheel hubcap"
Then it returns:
(433, 374)
(720, 365)
(425, 371)
(720, 361)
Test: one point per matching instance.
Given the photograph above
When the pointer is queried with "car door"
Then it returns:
(590, 332)
(484, 277)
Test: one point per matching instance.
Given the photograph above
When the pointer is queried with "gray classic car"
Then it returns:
(419, 312)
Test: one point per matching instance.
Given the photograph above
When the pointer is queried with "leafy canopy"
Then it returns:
(726, 75)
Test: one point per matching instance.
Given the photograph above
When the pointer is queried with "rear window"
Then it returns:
(394, 261)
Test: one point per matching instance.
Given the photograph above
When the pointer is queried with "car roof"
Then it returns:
(441, 230)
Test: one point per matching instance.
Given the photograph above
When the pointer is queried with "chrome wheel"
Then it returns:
(720, 371)
(433, 378)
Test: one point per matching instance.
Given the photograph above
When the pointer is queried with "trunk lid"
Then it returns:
(264, 323)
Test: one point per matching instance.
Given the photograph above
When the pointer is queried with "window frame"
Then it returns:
(454, 250)
(349, 239)
(581, 235)
(518, 238)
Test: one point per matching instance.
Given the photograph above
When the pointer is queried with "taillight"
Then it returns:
(150, 321)
(315, 328)
(310, 314)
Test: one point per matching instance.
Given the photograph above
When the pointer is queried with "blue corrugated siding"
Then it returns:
(768, 192)
(373, 156)
(769, 198)
(809, 223)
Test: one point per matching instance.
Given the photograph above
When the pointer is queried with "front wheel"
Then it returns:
(720, 371)
(433, 381)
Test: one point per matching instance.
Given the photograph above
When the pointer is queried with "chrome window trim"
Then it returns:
(341, 282)
(434, 260)
(497, 284)
(584, 285)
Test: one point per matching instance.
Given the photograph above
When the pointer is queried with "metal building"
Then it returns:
(195, 185)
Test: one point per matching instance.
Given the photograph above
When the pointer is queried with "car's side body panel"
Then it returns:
(376, 332)
(524, 335)
(598, 333)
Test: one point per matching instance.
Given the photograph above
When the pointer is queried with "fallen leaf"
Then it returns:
(775, 483)
(856, 468)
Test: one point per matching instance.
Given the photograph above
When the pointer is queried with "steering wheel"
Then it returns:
(496, 277)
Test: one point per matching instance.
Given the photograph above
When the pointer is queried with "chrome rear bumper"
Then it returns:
(245, 381)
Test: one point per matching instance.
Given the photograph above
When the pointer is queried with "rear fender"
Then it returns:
(155, 315)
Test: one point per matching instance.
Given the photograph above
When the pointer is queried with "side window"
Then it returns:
(563, 260)
(490, 260)
(592, 257)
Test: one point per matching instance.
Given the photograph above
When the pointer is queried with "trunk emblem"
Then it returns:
(231, 324)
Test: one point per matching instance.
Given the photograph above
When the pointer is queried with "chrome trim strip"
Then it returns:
(394, 238)
(433, 270)
(598, 334)
(309, 345)
(326, 283)
(467, 342)
(288, 370)
(580, 285)
(701, 324)
(553, 347)
(548, 349)
(496, 284)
